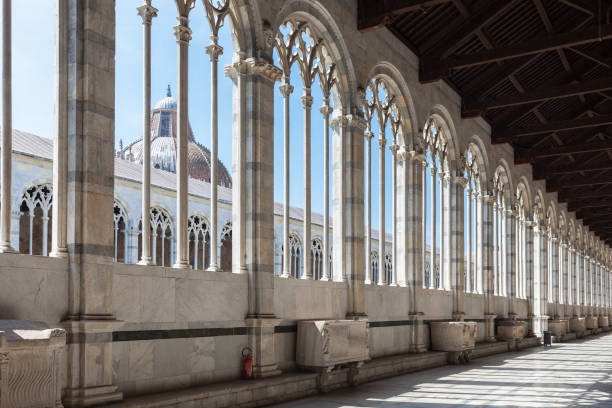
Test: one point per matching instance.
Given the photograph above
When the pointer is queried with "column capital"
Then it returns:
(147, 12)
(182, 30)
(394, 148)
(462, 181)
(355, 121)
(285, 89)
(262, 68)
(382, 142)
(214, 50)
(326, 110)
(307, 99)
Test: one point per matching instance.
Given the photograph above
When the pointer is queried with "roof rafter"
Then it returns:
(508, 134)
(433, 69)
(375, 14)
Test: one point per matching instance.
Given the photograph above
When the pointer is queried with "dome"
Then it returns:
(163, 146)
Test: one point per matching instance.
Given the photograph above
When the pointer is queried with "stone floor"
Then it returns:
(567, 375)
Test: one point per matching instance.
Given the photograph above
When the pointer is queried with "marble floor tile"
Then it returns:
(576, 374)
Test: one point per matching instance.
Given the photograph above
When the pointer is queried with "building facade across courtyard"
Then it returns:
(427, 213)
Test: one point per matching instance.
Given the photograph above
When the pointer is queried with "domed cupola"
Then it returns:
(163, 145)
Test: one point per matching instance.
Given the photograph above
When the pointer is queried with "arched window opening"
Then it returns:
(199, 242)
(226, 247)
(382, 121)
(374, 265)
(162, 237)
(119, 233)
(435, 191)
(34, 220)
(388, 266)
(316, 257)
(303, 58)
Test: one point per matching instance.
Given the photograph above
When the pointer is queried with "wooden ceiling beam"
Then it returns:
(376, 14)
(471, 107)
(555, 184)
(439, 45)
(541, 172)
(506, 135)
(584, 204)
(433, 68)
(522, 155)
(585, 6)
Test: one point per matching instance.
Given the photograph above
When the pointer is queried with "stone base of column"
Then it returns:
(490, 327)
(417, 334)
(181, 265)
(261, 342)
(85, 397)
(59, 253)
(357, 316)
(89, 355)
(146, 262)
(539, 324)
(458, 316)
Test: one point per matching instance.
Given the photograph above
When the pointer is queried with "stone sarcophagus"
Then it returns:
(602, 321)
(457, 338)
(578, 325)
(511, 331)
(557, 328)
(324, 344)
(30, 355)
(591, 322)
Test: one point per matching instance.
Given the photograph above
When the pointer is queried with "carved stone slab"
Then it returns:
(30, 354)
(453, 336)
(557, 327)
(323, 344)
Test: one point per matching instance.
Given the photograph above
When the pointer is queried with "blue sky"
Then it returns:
(33, 91)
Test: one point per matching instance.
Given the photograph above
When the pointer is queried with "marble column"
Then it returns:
(433, 227)
(6, 174)
(307, 105)
(259, 78)
(510, 243)
(238, 72)
(214, 50)
(286, 91)
(60, 138)
(453, 209)
(394, 148)
(147, 13)
(348, 210)
(183, 36)
(540, 319)
(410, 244)
(368, 207)
(468, 225)
(488, 255)
(382, 238)
(326, 110)
(91, 122)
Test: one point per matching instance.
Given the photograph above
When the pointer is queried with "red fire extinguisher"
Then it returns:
(247, 363)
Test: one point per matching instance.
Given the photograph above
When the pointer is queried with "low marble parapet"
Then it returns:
(578, 325)
(591, 322)
(324, 344)
(30, 355)
(557, 327)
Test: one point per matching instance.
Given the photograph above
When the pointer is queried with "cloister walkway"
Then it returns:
(567, 375)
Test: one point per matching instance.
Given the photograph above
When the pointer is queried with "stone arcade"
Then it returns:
(493, 237)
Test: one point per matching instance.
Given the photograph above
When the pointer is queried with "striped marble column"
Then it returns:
(453, 215)
(510, 224)
(540, 319)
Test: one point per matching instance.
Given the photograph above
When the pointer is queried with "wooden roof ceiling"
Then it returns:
(539, 71)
